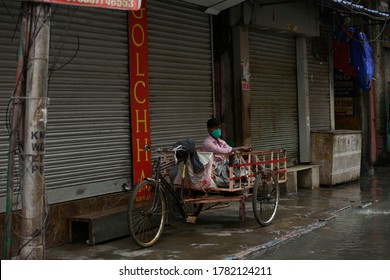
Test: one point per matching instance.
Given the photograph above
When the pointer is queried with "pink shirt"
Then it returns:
(212, 145)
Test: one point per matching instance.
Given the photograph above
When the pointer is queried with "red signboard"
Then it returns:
(109, 4)
(139, 93)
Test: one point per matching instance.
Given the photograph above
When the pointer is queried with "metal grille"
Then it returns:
(319, 91)
(88, 132)
(180, 72)
(274, 111)
(9, 40)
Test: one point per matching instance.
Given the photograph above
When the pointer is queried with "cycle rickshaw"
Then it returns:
(190, 192)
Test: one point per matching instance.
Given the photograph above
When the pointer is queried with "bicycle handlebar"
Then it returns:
(160, 150)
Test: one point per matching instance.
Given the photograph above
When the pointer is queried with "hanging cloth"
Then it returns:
(361, 58)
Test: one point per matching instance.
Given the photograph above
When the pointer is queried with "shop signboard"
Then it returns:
(139, 93)
(108, 4)
(344, 92)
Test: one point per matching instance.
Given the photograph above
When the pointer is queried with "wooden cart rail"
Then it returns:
(252, 162)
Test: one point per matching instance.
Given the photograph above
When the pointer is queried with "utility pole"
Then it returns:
(379, 91)
(33, 181)
(16, 136)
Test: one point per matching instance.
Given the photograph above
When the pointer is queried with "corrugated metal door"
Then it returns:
(88, 133)
(319, 91)
(274, 109)
(9, 40)
(180, 71)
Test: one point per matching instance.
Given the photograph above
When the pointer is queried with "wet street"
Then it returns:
(362, 232)
(348, 221)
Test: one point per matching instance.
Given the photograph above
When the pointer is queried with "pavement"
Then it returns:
(218, 235)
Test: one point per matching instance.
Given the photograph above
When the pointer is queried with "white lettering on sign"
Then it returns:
(109, 4)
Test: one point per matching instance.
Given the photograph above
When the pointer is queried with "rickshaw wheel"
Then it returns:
(265, 199)
(146, 213)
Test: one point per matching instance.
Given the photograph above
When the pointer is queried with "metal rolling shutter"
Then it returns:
(319, 91)
(274, 111)
(9, 40)
(88, 133)
(180, 72)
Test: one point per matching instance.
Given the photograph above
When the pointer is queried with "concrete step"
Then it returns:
(99, 226)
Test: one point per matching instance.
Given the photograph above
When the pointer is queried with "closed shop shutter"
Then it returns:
(274, 111)
(88, 130)
(318, 76)
(180, 72)
(9, 40)
(88, 133)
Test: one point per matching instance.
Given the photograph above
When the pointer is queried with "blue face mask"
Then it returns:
(216, 133)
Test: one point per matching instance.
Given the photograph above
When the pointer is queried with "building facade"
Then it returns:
(265, 69)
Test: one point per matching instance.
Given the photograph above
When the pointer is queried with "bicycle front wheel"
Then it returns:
(265, 197)
(146, 213)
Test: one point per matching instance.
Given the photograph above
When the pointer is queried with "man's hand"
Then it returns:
(246, 148)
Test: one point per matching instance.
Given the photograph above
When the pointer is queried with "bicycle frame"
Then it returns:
(159, 178)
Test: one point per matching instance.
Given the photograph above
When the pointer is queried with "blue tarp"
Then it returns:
(361, 59)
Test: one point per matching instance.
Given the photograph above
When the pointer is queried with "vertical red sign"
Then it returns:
(139, 93)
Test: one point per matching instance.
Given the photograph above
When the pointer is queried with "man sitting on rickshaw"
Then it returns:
(214, 143)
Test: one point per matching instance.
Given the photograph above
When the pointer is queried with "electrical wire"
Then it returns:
(353, 8)
(14, 129)
(58, 55)
(18, 152)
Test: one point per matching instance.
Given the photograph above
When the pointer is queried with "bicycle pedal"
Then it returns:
(191, 219)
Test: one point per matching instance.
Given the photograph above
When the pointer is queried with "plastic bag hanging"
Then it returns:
(361, 58)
